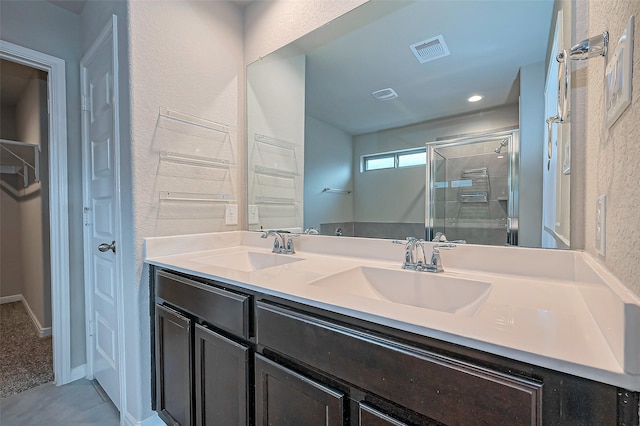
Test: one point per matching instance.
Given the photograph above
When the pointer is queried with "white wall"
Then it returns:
(400, 193)
(276, 140)
(532, 118)
(32, 127)
(46, 28)
(186, 56)
(613, 156)
(328, 162)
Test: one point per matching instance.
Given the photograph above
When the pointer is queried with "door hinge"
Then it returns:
(90, 327)
(86, 216)
(84, 103)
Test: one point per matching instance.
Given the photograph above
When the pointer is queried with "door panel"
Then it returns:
(221, 379)
(101, 226)
(284, 397)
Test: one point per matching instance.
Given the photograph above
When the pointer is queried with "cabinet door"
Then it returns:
(221, 379)
(369, 416)
(284, 397)
(173, 367)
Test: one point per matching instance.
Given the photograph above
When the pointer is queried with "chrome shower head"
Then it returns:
(503, 143)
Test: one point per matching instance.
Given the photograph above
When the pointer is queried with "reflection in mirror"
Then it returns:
(472, 188)
(352, 106)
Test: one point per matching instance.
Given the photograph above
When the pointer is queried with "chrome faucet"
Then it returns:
(414, 247)
(281, 244)
(436, 262)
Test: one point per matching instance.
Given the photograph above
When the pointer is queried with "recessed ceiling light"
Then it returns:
(474, 98)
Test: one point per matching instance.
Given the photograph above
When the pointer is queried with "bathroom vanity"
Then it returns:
(245, 336)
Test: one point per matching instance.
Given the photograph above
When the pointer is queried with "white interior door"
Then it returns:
(101, 211)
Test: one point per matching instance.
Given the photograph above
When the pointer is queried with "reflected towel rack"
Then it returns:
(192, 120)
(194, 160)
(273, 141)
(195, 197)
(274, 200)
(274, 172)
(337, 190)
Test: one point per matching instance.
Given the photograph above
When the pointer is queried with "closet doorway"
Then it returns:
(25, 269)
(52, 315)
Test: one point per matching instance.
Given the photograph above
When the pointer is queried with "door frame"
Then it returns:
(109, 31)
(58, 203)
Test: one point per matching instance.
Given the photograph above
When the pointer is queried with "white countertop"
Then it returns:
(565, 313)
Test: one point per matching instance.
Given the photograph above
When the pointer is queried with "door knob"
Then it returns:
(106, 247)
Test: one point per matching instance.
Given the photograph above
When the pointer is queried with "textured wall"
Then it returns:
(186, 56)
(613, 156)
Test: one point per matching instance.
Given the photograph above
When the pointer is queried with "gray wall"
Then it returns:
(328, 162)
(532, 79)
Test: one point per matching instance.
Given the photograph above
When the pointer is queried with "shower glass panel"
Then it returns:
(471, 185)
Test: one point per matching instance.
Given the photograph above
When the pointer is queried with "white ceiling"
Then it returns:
(368, 50)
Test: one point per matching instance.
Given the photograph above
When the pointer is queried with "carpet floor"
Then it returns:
(26, 360)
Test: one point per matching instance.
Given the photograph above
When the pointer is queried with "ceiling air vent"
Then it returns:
(428, 50)
(385, 94)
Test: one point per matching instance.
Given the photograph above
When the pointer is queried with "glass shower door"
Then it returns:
(471, 185)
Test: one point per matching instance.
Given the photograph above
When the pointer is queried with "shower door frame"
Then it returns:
(512, 181)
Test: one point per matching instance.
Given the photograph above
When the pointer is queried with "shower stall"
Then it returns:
(472, 188)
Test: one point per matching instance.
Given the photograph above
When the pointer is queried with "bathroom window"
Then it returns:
(394, 160)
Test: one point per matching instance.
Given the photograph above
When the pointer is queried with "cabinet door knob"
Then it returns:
(106, 247)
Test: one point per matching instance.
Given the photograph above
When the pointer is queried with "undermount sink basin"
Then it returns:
(247, 261)
(420, 289)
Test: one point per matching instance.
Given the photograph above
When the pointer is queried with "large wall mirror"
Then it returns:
(368, 127)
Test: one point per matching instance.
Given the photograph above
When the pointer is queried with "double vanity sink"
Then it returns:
(558, 310)
(432, 291)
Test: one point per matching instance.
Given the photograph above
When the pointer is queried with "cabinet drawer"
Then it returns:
(441, 388)
(221, 308)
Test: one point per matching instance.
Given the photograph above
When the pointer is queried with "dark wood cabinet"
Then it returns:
(221, 377)
(203, 362)
(173, 366)
(229, 356)
(284, 397)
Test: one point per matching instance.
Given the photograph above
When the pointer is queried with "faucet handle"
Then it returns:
(444, 246)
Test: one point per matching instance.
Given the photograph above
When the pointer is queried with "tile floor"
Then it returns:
(78, 403)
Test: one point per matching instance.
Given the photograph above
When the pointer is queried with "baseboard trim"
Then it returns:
(77, 373)
(153, 420)
(11, 299)
(40, 330)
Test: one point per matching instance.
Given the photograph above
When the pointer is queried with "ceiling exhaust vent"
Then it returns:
(385, 94)
(428, 50)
